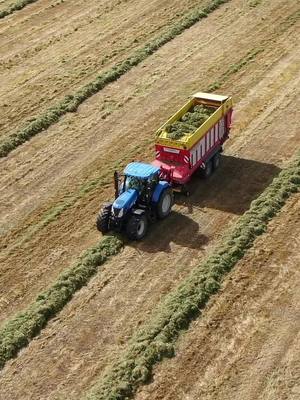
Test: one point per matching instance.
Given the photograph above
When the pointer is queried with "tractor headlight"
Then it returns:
(118, 212)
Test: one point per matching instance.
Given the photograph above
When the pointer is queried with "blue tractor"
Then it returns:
(140, 197)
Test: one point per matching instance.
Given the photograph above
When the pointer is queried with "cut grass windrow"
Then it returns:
(18, 331)
(70, 103)
(251, 55)
(17, 5)
(156, 340)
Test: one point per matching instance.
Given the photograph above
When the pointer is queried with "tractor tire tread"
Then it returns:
(102, 221)
(132, 227)
(160, 213)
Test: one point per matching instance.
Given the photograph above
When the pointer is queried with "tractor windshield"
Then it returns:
(142, 185)
(132, 182)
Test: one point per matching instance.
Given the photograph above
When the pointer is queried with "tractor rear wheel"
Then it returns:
(165, 203)
(102, 221)
(136, 227)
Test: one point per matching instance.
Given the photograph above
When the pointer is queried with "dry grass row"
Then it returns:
(156, 340)
(18, 331)
(70, 103)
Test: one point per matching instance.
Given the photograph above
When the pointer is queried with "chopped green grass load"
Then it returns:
(189, 122)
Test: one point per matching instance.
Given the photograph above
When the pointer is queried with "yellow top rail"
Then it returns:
(222, 104)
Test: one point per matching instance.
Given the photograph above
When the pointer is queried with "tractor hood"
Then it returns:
(126, 200)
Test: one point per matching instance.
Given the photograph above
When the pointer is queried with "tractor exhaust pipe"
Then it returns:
(116, 181)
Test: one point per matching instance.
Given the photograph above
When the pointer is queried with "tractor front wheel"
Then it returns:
(102, 221)
(136, 227)
(165, 203)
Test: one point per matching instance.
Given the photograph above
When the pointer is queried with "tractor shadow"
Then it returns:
(231, 188)
(177, 228)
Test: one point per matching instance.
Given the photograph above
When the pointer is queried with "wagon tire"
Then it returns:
(137, 227)
(207, 171)
(165, 203)
(103, 218)
(216, 161)
(185, 191)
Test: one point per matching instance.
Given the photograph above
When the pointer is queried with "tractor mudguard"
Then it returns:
(160, 187)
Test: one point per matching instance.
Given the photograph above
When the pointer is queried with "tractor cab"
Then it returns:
(140, 197)
(138, 176)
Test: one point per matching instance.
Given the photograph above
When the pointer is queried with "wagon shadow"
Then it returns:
(232, 187)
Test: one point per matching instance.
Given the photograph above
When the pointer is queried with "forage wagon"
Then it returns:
(191, 140)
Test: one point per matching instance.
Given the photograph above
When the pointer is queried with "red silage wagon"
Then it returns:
(179, 157)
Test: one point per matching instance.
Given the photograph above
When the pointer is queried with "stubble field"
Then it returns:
(53, 184)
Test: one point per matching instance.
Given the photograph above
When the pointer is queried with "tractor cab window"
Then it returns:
(132, 182)
(153, 181)
(145, 187)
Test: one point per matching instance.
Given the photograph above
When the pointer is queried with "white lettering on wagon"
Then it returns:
(169, 150)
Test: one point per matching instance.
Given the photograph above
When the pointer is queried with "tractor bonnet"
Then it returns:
(126, 199)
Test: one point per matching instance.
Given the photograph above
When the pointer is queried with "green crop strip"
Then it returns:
(18, 331)
(254, 3)
(250, 56)
(70, 103)
(17, 5)
(156, 340)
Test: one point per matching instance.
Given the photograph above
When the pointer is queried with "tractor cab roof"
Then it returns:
(141, 170)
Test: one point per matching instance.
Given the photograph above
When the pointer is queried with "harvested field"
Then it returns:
(246, 345)
(52, 185)
(38, 60)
